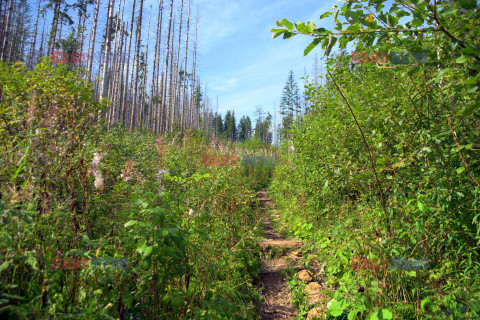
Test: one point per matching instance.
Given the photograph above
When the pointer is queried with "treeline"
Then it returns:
(142, 59)
(226, 128)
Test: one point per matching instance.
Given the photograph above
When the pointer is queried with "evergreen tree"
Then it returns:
(244, 129)
(290, 103)
(229, 126)
(217, 124)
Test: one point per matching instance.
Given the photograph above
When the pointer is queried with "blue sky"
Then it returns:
(238, 59)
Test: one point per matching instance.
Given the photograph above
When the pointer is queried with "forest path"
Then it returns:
(278, 254)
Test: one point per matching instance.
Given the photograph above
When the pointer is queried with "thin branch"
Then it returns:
(369, 153)
(459, 151)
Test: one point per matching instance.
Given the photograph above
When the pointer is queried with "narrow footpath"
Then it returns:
(278, 254)
(281, 256)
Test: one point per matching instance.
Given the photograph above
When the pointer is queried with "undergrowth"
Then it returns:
(72, 190)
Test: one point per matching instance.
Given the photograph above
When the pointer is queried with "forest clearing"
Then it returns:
(127, 192)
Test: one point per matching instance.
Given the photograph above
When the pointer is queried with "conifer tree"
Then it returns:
(290, 102)
(244, 129)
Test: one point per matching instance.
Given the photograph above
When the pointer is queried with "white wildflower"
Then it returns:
(95, 170)
(98, 183)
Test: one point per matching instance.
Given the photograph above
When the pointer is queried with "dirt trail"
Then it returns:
(278, 254)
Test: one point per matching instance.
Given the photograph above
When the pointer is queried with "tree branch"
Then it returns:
(369, 154)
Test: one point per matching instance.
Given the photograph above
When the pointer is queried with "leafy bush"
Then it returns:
(73, 189)
(430, 200)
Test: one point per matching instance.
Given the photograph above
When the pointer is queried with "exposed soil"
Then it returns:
(278, 254)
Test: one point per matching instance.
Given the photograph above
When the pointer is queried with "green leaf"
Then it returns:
(374, 316)
(387, 314)
(462, 59)
(421, 206)
(467, 4)
(288, 35)
(177, 301)
(338, 26)
(5, 265)
(335, 15)
(336, 308)
(311, 26)
(319, 31)
(301, 27)
(312, 45)
(471, 108)
(472, 80)
(441, 73)
(424, 302)
(148, 251)
(31, 261)
(287, 24)
(277, 32)
(411, 273)
(352, 315)
(130, 223)
(325, 14)
(12, 296)
(417, 22)
(331, 42)
(460, 170)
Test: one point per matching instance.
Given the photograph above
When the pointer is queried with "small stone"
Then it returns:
(315, 298)
(305, 276)
(313, 288)
(314, 313)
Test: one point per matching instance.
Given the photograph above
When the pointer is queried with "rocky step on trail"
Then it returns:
(278, 255)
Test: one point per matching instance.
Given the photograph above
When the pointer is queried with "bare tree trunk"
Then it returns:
(185, 74)
(53, 29)
(82, 33)
(156, 67)
(171, 89)
(119, 79)
(113, 84)
(193, 99)
(164, 89)
(32, 49)
(3, 16)
(145, 117)
(42, 42)
(6, 33)
(139, 36)
(92, 40)
(123, 112)
(176, 94)
(106, 52)
(121, 82)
